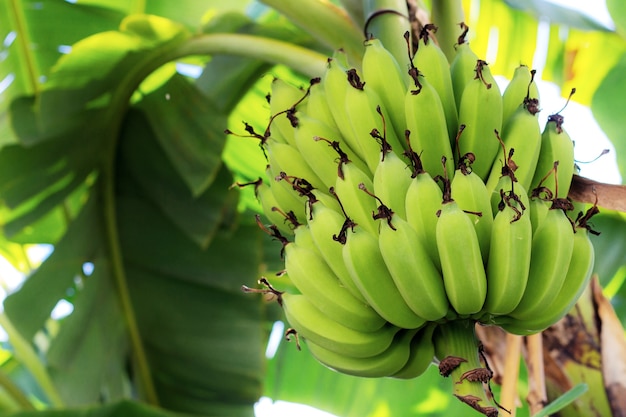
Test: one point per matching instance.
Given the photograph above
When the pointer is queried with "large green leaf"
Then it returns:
(30, 307)
(86, 359)
(606, 106)
(558, 14)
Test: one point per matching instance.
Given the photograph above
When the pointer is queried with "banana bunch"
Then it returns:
(406, 204)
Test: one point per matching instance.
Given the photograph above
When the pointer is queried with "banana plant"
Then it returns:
(115, 155)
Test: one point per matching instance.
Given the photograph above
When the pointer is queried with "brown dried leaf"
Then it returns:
(613, 352)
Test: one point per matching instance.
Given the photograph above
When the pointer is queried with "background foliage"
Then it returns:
(115, 154)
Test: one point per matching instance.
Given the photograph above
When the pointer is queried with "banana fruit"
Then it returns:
(405, 217)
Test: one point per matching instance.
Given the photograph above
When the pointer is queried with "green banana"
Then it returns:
(320, 155)
(361, 254)
(522, 85)
(426, 120)
(471, 195)
(432, 62)
(323, 330)
(556, 145)
(317, 107)
(357, 205)
(509, 254)
(414, 273)
(422, 354)
(391, 180)
(336, 85)
(325, 225)
(461, 261)
(326, 291)
(552, 248)
(384, 364)
(271, 207)
(578, 276)
(284, 158)
(284, 98)
(462, 66)
(366, 114)
(383, 74)
(481, 113)
(422, 203)
(521, 133)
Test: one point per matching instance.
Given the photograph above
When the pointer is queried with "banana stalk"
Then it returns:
(457, 348)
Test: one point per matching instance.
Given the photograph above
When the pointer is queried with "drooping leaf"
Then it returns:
(606, 107)
(86, 359)
(617, 9)
(30, 307)
(189, 128)
(559, 14)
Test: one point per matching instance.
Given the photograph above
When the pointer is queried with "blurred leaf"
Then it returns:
(563, 401)
(124, 408)
(90, 348)
(617, 10)
(589, 56)
(30, 307)
(558, 14)
(606, 106)
(609, 246)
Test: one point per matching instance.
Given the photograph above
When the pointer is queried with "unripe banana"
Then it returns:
(363, 259)
(392, 179)
(286, 197)
(556, 145)
(426, 122)
(317, 107)
(432, 62)
(539, 205)
(461, 260)
(287, 159)
(471, 195)
(414, 273)
(481, 113)
(336, 85)
(282, 106)
(320, 154)
(313, 277)
(422, 354)
(357, 205)
(552, 248)
(509, 254)
(522, 85)
(384, 364)
(271, 207)
(366, 113)
(382, 73)
(325, 225)
(462, 66)
(317, 327)
(422, 202)
(521, 133)
(577, 279)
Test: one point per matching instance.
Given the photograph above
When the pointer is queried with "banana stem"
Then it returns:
(508, 394)
(388, 20)
(458, 352)
(537, 396)
(446, 15)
